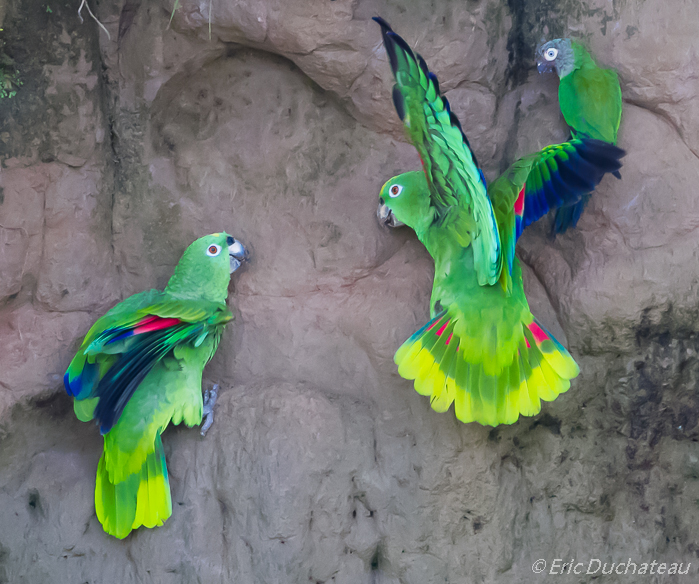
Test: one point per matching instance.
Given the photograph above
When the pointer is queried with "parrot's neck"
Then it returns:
(192, 287)
(582, 59)
(454, 273)
(438, 238)
(570, 60)
(446, 252)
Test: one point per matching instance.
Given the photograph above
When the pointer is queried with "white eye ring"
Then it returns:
(550, 54)
(394, 191)
(213, 250)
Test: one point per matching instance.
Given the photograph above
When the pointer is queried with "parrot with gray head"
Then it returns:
(482, 350)
(140, 368)
(590, 100)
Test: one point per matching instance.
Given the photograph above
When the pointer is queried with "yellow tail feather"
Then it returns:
(480, 392)
(142, 498)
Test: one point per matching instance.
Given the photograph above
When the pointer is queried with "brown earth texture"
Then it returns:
(272, 120)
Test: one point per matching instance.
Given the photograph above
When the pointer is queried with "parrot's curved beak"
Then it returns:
(544, 66)
(237, 253)
(386, 216)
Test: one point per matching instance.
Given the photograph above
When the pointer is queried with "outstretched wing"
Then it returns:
(556, 176)
(562, 174)
(123, 346)
(454, 178)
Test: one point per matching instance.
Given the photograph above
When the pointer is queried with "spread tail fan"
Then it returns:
(444, 370)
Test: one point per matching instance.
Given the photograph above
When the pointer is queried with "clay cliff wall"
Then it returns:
(272, 120)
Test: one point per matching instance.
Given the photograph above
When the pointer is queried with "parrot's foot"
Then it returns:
(210, 396)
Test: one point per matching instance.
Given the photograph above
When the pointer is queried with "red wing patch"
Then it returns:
(154, 323)
(519, 203)
(441, 329)
(539, 335)
(145, 325)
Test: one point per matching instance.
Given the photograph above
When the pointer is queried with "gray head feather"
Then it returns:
(563, 61)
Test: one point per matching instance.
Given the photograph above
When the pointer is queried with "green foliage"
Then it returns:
(172, 14)
(9, 74)
(9, 78)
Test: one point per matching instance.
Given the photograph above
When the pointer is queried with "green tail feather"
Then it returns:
(142, 498)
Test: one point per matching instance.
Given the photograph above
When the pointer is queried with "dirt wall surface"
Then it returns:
(324, 465)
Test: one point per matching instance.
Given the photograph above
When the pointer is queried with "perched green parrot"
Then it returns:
(482, 349)
(140, 368)
(590, 101)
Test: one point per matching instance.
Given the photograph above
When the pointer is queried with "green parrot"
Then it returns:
(590, 101)
(482, 349)
(140, 368)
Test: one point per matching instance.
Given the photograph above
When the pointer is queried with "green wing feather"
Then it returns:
(556, 176)
(117, 353)
(158, 375)
(456, 184)
(171, 392)
(121, 313)
(132, 484)
(164, 373)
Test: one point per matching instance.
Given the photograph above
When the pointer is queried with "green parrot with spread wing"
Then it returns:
(590, 101)
(140, 368)
(482, 349)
